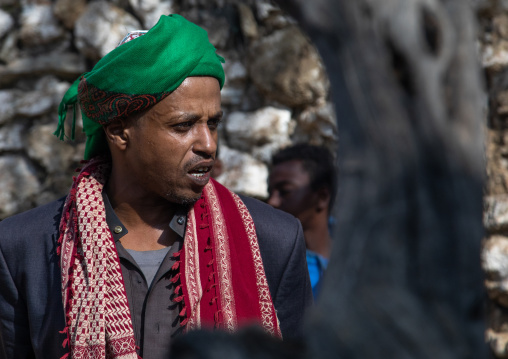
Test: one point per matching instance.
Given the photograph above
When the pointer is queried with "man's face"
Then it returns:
(171, 148)
(289, 190)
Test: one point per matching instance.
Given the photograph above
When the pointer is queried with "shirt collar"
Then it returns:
(118, 230)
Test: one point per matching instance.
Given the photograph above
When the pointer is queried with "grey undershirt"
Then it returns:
(149, 261)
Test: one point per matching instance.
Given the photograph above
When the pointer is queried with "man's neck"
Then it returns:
(146, 219)
(317, 238)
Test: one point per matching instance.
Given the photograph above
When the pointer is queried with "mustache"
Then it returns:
(198, 160)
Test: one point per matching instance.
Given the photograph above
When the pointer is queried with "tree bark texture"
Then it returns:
(404, 279)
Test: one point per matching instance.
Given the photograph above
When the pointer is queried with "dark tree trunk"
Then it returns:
(404, 279)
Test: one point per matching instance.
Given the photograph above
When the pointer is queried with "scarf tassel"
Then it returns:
(70, 99)
(175, 278)
(175, 266)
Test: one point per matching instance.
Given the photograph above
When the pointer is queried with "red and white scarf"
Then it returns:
(220, 277)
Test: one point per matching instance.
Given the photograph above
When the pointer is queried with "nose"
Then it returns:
(206, 141)
(274, 199)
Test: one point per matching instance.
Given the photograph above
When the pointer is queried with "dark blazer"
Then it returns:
(31, 311)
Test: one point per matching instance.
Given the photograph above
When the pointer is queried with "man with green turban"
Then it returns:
(146, 245)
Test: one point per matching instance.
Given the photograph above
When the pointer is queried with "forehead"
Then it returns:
(195, 94)
(289, 171)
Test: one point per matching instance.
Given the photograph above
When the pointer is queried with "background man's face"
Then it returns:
(172, 146)
(289, 190)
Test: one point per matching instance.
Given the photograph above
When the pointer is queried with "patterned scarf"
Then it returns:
(220, 280)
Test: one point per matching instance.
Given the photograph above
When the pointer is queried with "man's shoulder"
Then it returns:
(275, 229)
(266, 214)
(42, 219)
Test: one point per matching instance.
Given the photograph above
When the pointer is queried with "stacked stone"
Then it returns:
(493, 49)
(276, 90)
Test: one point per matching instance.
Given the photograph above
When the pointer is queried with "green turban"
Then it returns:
(138, 74)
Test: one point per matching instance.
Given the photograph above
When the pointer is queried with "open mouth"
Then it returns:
(200, 171)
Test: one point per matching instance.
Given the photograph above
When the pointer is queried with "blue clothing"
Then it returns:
(317, 265)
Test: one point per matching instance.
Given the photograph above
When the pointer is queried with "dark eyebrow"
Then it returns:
(194, 117)
(189, 117)
(218, 115)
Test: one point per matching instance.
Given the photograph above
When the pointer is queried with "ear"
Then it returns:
(117, 134)
(323, 199)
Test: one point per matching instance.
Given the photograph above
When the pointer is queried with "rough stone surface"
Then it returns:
(495, 265)
(8, 105)
(101, 27)
(495, 216)
(69, 11)
(8, 50)
(19, 183)
(11, 137)
(6, 23)
(498, 342)
(149, 10)
(39, 26)
(267, 125)
(42, 147)
(7, 2)
(248, 22)
(64, 65)
(243, 173)
(274, 70)
(317, 125)
(493, 46)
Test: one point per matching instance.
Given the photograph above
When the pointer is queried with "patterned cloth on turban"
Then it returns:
(138, 74)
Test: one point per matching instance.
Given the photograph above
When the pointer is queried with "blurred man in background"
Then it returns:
(302, 183)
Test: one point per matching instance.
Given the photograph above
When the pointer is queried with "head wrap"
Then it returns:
(138, 74)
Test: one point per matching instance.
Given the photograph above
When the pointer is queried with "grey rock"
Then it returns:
(149, 11)
(272, 16)
(19, 183)
(64, 65)
(6, 23)
(265, 9)
(69, 11)
(265, 153)
(232, 96)
(233, 92)
(218, 30)
(8, 50)
(256, 129)
(43, 100)
(235, 72)
(101, 27)
(243, 173)
(7, 104)
(39, 25)
(54, 155)
(34, 103)
(317, 125)
(495, 264)
(247, 22)
(8, 2)
(11, 138)
(498, 342)
(287, 68)
(495, 214)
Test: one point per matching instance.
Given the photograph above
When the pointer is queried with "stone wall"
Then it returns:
(493, 51)
(276, 90)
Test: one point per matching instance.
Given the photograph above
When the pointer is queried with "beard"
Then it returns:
(186, 201)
